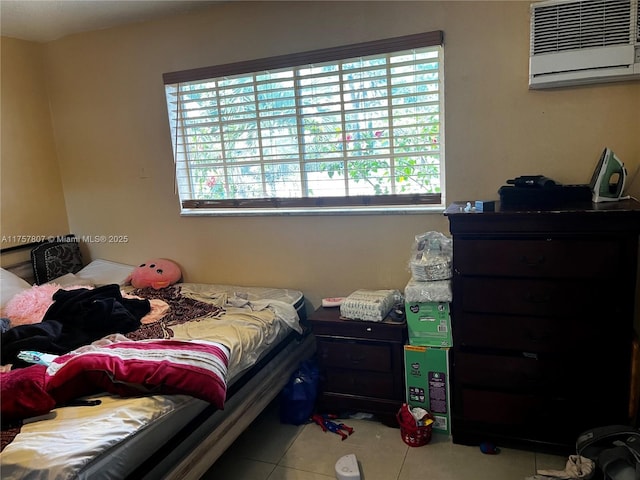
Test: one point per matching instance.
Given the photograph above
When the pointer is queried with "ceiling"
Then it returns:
(47, 20)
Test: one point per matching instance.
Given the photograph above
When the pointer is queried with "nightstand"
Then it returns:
(361, 364)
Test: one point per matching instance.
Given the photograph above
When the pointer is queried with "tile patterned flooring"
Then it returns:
(269, 450)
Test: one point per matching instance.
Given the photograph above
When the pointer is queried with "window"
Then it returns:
(354, 128)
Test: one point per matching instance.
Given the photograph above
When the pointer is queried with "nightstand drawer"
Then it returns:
(386, 331)
(552, 258)
(360, 383)
(358, 356)
(518, 296)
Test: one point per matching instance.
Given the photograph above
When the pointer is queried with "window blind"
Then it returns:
(350, 126)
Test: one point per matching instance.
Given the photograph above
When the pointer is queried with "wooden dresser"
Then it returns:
(542, 319)
(361, 364)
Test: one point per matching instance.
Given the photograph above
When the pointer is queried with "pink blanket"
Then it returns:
(125, 368)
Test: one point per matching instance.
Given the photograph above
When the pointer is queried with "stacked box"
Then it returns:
(427, 306)
(428, 293)
(427, 383)
(429, 324)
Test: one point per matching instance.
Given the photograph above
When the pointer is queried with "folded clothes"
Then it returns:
(369, 305)
(436, 291)
(76, 318)
(577, 467)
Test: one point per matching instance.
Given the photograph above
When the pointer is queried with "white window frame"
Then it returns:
(178, 82)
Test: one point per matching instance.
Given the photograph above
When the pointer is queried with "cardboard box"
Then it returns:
(427, 383)
(429, 324)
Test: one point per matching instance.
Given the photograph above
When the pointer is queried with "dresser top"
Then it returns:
(630, 205)
(622, 216)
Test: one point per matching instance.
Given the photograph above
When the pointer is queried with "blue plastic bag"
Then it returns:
(298, 397)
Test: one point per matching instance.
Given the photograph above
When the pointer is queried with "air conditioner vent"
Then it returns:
(577, 42)
(638, 25)
(581, 24)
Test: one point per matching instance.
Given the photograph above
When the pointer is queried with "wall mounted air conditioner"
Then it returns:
(575, 42)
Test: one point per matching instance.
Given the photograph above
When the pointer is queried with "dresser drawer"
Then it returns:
(500, 408)
(528, 413)
(524, 372)
(535, 334)
(360, 383)
(357, 356)
(551, 258)
(540, 413)
(519, 296)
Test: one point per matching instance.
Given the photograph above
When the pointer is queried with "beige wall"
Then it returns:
(31, 197)
(114, 149)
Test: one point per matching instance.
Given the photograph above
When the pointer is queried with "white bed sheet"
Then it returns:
(78, 436)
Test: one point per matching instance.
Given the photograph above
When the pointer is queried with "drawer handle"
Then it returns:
(530, 377)
(536, 262)
(356, 360)
(541, 338)
(543, 298)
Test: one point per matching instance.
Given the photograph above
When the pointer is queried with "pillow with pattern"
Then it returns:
(53, 259)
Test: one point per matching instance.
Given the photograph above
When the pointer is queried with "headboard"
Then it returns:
(16, 259)
(40, 262)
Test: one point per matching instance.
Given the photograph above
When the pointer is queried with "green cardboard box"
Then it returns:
(427, 383)
(429, 324)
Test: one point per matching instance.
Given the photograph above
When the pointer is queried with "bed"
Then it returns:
(259, 335)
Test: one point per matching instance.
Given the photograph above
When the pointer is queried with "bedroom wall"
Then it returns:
(31, 196)
(115, 158)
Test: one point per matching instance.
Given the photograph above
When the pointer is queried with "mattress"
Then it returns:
(113, 439)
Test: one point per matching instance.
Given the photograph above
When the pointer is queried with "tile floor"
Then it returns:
(270, 450)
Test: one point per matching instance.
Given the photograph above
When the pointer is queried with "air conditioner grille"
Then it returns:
(638, 25)
(581, 24)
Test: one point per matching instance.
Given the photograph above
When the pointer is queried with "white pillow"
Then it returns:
(71, 280)
(10, 284)
(104, 272)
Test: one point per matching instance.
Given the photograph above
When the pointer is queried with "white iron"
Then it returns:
(609, 177)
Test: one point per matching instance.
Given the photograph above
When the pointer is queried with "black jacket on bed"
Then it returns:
(77, 317)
